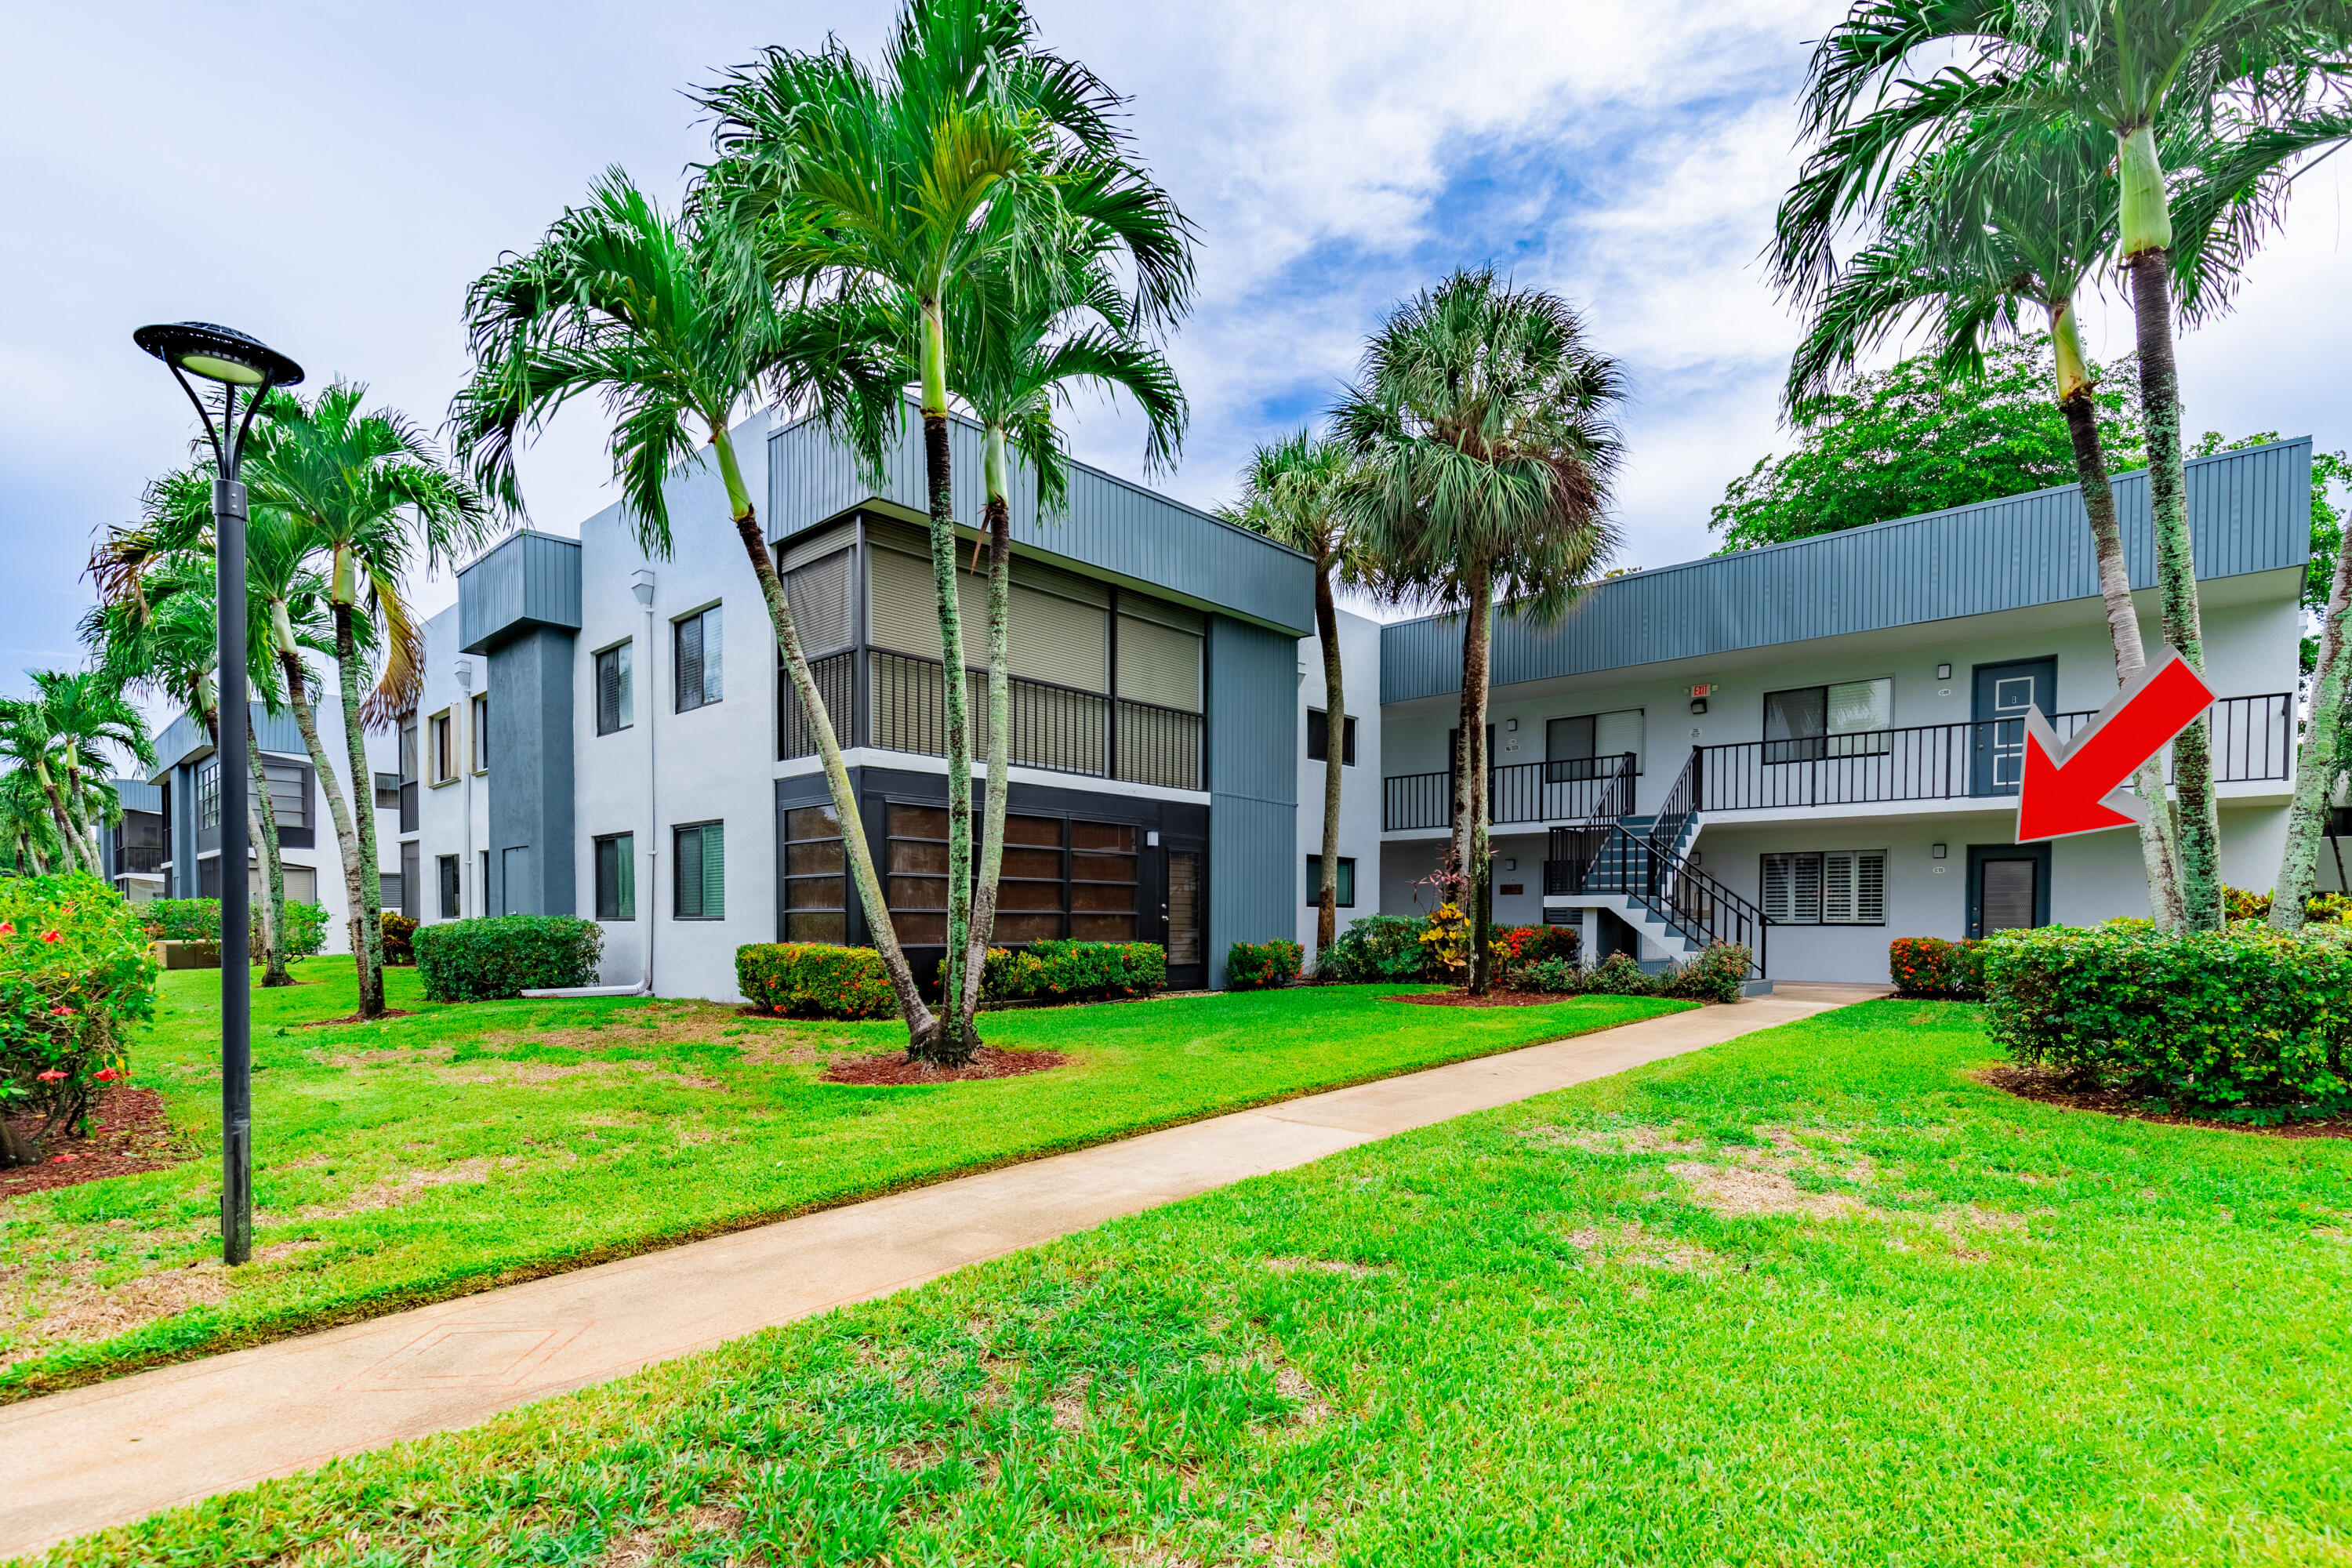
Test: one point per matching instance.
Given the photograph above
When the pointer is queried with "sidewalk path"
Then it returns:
(118, 1451)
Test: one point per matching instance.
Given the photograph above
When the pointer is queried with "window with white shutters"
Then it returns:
(1831, 886)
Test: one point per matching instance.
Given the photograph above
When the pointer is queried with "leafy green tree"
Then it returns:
(1896, 76)
(1295, 491)
(971, 148)
(1481, 427)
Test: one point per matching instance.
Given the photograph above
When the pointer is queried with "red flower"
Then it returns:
(52, 1076)
(7, 928)
(108, 1075)
(60, 1010)
(51, 936)
(59, 1159)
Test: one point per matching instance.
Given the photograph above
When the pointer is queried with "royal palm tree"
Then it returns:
(971, 149)
(1481, 427)
(370, 496)
(671, 322)
(1898, 76)
(1295, 491)
(1026, 338)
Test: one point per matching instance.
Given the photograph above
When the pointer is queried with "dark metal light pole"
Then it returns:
(232, 360)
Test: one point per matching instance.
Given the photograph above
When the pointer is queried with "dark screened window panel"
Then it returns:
(698, 662)
(1345, 880)
(448, 867)
(616, 877)
(699, 872)
(1318, 738)
(614, 701)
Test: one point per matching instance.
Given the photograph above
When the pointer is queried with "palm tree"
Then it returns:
(1295, 491)
(1026, 338)
(62, 735)
(367, 490)
(971, 148)
(27, 832)
(673, 324)
(1897, 76)
(29, 743)
(1480, 425)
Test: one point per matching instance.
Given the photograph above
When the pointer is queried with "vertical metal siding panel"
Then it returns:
(1254, 786)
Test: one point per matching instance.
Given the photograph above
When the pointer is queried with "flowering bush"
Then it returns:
(1446, 941)
(1075, 971)
(1715, 975)
(1376, 947)
(1932, 968)
(815, 979)
(75, 973)
(1263, 966)
(2245, 1019)
(1516, 947)
(504, 956)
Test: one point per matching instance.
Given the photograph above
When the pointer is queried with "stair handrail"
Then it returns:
(1720, 915)
(1680, 805)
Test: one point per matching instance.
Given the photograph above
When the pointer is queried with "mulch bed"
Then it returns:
(1492, 999)
(129, 1134)
(2052, 1086)
(357, 1018)
(898, 1067)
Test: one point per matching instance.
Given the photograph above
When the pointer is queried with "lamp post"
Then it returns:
(232, 360)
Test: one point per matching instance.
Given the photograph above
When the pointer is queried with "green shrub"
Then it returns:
(2243, 1019)
(1932, 968)
(1563, 976)
(1622, 975)
(198, 920)
(815, 979)
(399, 938)
(1715, 975)
(1075, 971)
(1263, 966)
(1376, 947)
(504, 956)
(75, 972)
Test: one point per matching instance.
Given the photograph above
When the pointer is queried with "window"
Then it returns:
(1346, 879)
(612, 696)
(388, 890)
(387, 791)
(1591, 745)
(208, 805)
(411, 881)
(616, 877)
(1808, 724)
(700, 871)
(448, 867)
(1834, 887)
(1061, 876)
(698, 660)
(482, 733)
(444, 748)
(1318, 738)
(289, 795)
(815, 884)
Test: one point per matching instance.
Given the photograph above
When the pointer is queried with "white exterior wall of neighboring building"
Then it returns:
(324, 858)
(1360, 799)
(444, 803)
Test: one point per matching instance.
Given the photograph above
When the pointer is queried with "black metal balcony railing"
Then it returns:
(2254, 739)
(1061, 729)
(1522, 792)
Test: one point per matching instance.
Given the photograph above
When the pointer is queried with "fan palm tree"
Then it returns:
(672, 324)
(1026, 339)
(1900, 76)
(1295, 491)
(1480, 426)
(971, 148)
(369, 495)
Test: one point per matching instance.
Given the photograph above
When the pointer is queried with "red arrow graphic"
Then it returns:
(2073, 788)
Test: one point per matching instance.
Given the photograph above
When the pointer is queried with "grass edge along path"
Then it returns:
(1808, 1295)
(210, 1329)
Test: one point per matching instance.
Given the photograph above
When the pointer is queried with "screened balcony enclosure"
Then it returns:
(1103, 682)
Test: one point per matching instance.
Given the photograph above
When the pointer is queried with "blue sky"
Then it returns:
(330, 178)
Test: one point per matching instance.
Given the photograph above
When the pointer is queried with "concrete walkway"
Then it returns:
(120, 1450)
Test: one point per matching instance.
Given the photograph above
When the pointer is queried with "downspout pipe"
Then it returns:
(642, 585)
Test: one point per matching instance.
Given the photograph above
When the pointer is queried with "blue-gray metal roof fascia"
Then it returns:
(138, 795)
(2249, 512)
(186, 739)
(531, 580)
(1118, 529)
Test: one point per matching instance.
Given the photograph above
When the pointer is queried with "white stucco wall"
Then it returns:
(1359, 788)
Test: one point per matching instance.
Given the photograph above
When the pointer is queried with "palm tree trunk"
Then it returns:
(1335, 740)
(2192, 754)
(369, 930)
(2159, 855)
(77, 807)
(1477, 635)
(2320, 759)
(75, 851)
(954, 1041)
(999, 721)
(911, 1006)
(264, 812)
(305, 720)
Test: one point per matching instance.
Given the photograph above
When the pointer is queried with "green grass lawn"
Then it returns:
(1811, 1296)
(425, 1157)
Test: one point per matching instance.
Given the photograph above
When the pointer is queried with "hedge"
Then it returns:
(1930, 968)
(1263, 966)
(198, 920)
(1716, 973)
(505, 955)
(2246, 1019)
(1376, 947)
(815, 979)
(75, 970)
(1075, 971)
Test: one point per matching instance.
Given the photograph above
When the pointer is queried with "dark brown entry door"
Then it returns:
(1186, 906)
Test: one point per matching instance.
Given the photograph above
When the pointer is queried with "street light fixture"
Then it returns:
(232, 360)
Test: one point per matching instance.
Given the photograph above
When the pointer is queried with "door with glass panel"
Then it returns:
(2009, 886)
(1184, 902)
(2004, 692)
